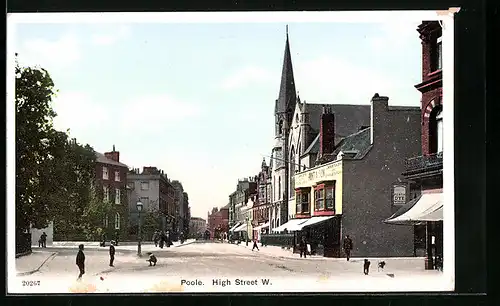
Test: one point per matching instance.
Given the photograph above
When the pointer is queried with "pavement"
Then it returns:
(209, 265)
(125, 246)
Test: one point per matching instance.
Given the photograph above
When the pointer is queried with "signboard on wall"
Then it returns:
(399, 193)
(323, 173)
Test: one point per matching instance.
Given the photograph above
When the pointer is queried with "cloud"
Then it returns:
(247, 76)
(50, 54)
(111, 37)
(156, 111)
(78, 112)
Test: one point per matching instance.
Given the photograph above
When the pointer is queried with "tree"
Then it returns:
(151, 221)
(34, 114)
(54, 174)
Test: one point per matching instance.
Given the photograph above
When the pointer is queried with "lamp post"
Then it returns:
(139, 209)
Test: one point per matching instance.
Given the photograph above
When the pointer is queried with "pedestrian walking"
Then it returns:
(103, 239)
(80, 261)
(255, 246)
(347, 247)
(111, 253)
(303, 247)
(366, 267)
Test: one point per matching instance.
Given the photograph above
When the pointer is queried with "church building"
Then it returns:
(297, 138)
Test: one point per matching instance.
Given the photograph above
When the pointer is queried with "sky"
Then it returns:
(197, 99)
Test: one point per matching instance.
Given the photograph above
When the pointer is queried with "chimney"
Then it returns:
(327, 132)
(113, 155)
(378, 105)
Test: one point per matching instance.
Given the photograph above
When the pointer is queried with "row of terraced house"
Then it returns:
(371, 171)
(162, 198)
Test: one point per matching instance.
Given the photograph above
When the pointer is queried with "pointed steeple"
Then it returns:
(287, 97)
(263, 165)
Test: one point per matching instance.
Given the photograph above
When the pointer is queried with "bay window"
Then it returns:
(325, 197)
(302, 202)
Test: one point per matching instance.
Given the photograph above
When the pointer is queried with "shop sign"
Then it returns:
(399, 192)
(324, 173)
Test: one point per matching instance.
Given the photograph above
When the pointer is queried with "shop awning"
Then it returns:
(261, 226)
(291, 223)
(427, 207)
(311, 221)
(242, 227)
(234, 227)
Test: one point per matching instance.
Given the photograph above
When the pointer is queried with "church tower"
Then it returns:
(283, 114)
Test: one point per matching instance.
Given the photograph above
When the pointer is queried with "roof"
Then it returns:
(101, 158)
(359, 142)
(287, 96)
(348, 119)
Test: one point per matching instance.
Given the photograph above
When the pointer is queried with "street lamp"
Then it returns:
(139, 209)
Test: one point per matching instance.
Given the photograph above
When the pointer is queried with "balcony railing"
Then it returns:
(425, 162)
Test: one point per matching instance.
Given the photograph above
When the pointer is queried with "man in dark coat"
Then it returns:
(347, 247)
(80, 261)
(111, 253)
(43, 240)
(255, 246)
(156, 237)
(366, 267)
(303, 247)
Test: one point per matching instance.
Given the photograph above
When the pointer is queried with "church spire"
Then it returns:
(287, 95)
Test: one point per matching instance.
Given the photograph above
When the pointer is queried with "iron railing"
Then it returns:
(283, 240)
(425, 162)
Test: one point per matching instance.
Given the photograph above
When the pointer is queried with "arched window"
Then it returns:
(436, 130)
(439, 131)
(117, 221)
(274, 189)
(279, 188)
(291, 189)
(280, 127)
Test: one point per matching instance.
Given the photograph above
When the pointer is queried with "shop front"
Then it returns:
(425, 210)
(318, 196)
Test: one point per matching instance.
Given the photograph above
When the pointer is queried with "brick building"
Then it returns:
(423, 174)
(154, 190)
(262, 204)
(111, 183)
(347, 192)
(218, 222)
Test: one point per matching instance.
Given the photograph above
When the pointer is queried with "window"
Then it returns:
(118, 196)
(330, 197)
(117, 221)
(274, 188)
(144, 201)
(105, 174)
(105, 221)
(105, 191)
(117, 176)
(144, 185)
(131, 185)
(302, 202)
(439, 50)
(291, 186)
(439, 131)
(319, 199)
(279, 188)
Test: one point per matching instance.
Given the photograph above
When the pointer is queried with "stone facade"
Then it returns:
(198, 226)
(153, 188)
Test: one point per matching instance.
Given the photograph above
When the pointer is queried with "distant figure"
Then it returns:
(255, 246)
(156, 237)
(43, 240)
(347, 247)
(381, 265)
(103, 240)
(80, 261)
(111, 253)
(152, 259)
(303, 247)
(366, 267)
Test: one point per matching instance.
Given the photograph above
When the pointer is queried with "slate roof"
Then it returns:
(101, 158)
(359, 142)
